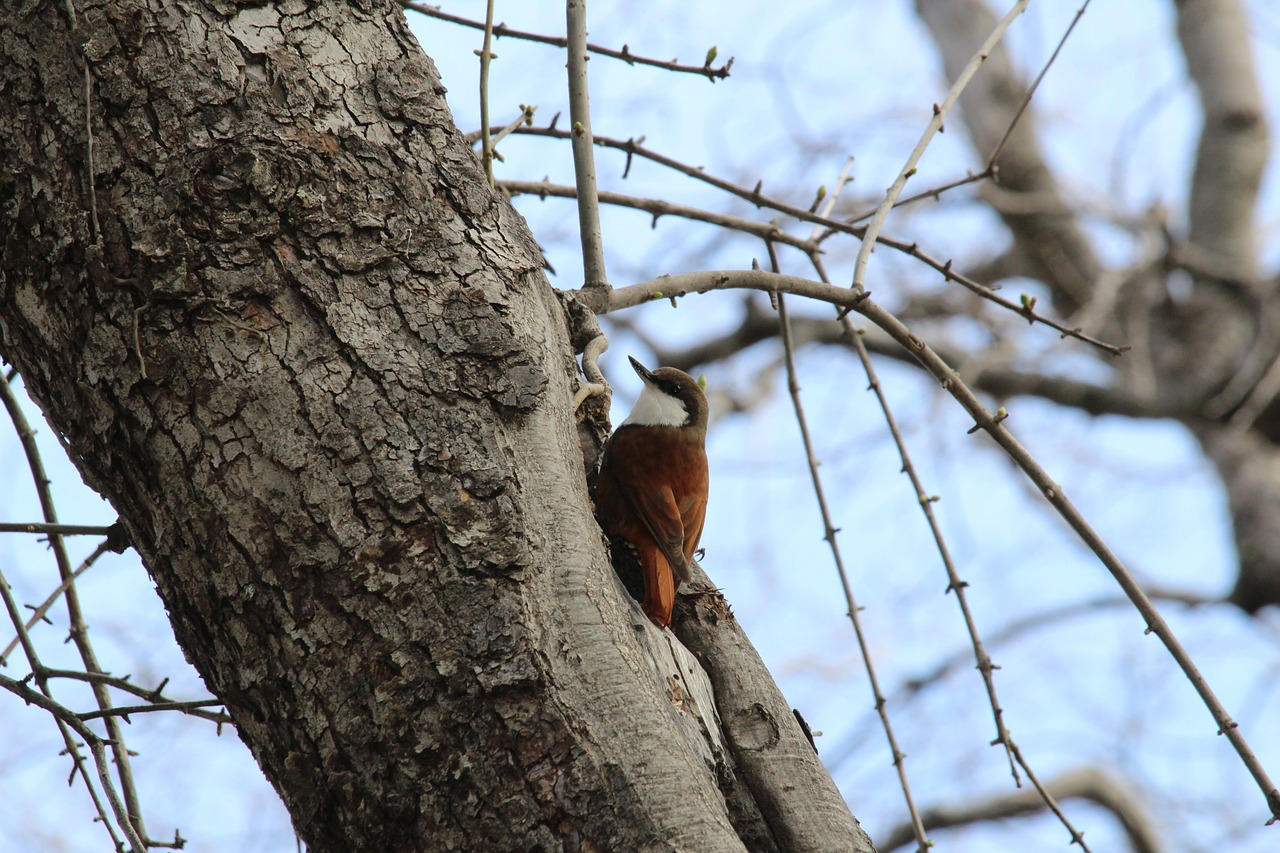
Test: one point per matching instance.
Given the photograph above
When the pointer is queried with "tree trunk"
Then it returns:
(281, 322)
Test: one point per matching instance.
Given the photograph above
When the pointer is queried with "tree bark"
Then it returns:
(281, 322)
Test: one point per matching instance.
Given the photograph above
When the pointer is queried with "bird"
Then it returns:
(651, 491)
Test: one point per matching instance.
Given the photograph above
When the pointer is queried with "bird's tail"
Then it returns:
(659, 586)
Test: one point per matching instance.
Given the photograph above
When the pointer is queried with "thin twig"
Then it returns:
(78, 628)
(634, 148)
(501, 30)
(153, 696)
(42, 610)
(526, 116)
(70, 720)
(127, 710)
(659, 207)
(829, 536)
(59, 529)
(934, 193)
(993, 424)
(935, 125)
(42, 696)
(595, 280)
(923, 498)
(486, 144)
(954, 583)
(89, 155)
(1026, 101)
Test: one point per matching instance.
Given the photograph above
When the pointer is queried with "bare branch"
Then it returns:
(705, 70)
(126, 711)
(830, 532)
(998, 380)
(39, 612)
(772, 232)
(65, 719)
(658, 208)
(595, 279)
(955, 585)
(935, 126)
(486, 55)
(1086, 783)
(79, 630)
(1035, 84)
(154, 696)
(59, 529)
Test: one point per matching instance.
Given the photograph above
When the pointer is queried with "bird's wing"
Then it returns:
(657, 509)
(692, 518)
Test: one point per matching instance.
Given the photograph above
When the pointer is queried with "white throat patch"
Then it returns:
(656, 409)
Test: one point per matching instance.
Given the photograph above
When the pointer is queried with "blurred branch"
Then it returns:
(1087, 783)
(705, 70)
(1230, 161)
(998, 380)
(1014, 630)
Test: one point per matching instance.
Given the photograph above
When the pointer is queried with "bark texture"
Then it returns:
(284, 326)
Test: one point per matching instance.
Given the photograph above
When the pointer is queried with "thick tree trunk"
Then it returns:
(284, 326)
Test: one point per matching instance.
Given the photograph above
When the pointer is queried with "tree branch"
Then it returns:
(771, 232)
(705, 70)
(595, 279)
(1087, 783)
(1215, 36)
(960, 82)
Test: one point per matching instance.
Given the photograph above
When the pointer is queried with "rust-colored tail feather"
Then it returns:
(659, 586)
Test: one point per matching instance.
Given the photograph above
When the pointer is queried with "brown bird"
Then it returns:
(652, 489)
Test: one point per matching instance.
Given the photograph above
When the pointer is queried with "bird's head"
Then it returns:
(670, 398)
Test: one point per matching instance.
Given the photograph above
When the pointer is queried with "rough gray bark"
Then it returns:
(310, 358)
(1207, 357)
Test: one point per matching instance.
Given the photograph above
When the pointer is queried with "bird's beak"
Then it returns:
(641, 371)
